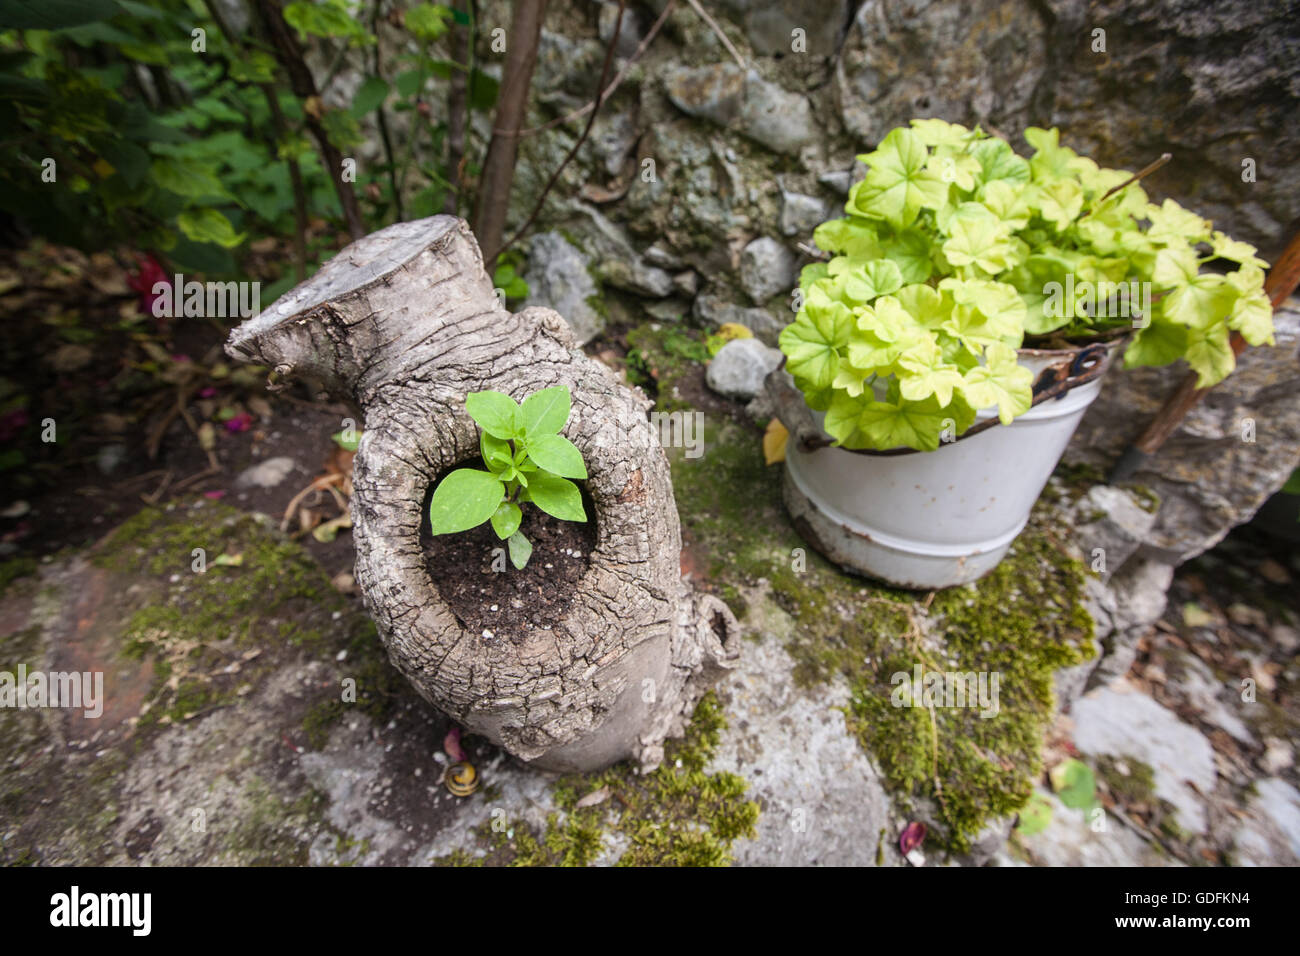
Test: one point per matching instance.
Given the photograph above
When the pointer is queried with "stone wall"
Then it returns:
(696, 157)
(702, 177)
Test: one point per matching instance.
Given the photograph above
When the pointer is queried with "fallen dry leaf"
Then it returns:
(595, 798)
(774, 440)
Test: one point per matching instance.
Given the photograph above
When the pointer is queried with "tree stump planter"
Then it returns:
(405, 323)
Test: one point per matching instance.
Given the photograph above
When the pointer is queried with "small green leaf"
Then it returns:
(428, 21)
(557, 496)
(464, 499)
(557, 455)
(369, 96)
(1074, 784)
(347, 444)
(495, 413)
(521, 549)
(496, 452)
(209, 225)
(1035, 815)
(1001, 382)
(505, 520)
(545, 412)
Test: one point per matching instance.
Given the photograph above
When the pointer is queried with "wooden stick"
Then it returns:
(713, 25)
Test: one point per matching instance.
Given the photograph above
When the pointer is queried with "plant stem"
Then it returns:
(1146, 170)
(591, 119)
(499, 166)
(457, 111)
(289, 53)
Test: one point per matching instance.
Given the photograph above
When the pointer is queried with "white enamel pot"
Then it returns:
(935, 519)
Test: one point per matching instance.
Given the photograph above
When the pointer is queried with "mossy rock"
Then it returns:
(1024, 622)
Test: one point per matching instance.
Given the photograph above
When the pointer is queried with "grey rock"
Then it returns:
(823, 801)
(636, 277)
(778, 119)
(266, 474)
(558, 277)
(657, 255)
(839, 180)
(1124, 608)
(1201, 689)
(563, 66)
(767, 267)
(769, 25)
(1123, 722)
(614, 137)
(1070, 840)
(801, 213)
(1270, 835)
(725, 94)
(713, 92)
(687, 283)
(739, 368)
(613, 257)
(935, 59)
(718, 310)
(629, 34)
(1110, 526)
(1207, 477)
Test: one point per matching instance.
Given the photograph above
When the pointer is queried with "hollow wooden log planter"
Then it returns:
(405, 323)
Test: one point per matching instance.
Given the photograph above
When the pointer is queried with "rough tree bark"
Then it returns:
(405, 322)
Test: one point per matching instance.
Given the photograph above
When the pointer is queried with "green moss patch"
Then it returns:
(679, 815)
(658, 360)
(209, 633)
(1022, 622)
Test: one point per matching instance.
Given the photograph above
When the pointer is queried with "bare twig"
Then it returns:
(196, 477)
(1145, 171)
(713, 25)
(614, 84)
(499, 166)
(457, 112)
(289, 53)
(381, 117)
(582, 138)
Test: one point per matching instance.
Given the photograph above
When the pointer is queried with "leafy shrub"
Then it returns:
(955, 248)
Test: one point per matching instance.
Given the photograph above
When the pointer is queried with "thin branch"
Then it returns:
(1145, 171)
(614, 84)
(289, 53)
(591, 119)
(381, 116)
(503, 149)
(457, 112)
(713, 25)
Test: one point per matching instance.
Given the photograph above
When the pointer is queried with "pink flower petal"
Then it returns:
(239, 423)
(451, 745)
(912, 837)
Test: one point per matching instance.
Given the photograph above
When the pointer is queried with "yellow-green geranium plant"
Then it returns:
(954, 249)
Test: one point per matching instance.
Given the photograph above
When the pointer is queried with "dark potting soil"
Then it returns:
(489, 595)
